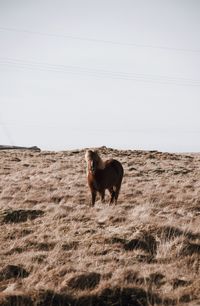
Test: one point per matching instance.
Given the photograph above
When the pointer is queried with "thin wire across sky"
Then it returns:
(94, 40)
(16, 63)
(99, 73)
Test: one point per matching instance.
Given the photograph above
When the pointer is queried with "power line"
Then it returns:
(99, 73)
(94, 40)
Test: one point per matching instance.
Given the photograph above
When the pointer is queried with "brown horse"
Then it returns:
(103, 175)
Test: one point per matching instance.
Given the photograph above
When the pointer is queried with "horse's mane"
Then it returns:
(93, 155)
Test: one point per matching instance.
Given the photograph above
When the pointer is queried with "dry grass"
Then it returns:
(57, 250)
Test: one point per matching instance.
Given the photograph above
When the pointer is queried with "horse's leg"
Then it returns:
(102, 193)
(112, 194)
(94, 193)
(117, 189)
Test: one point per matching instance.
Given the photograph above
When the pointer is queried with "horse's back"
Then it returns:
(115, 166)
(111, 175)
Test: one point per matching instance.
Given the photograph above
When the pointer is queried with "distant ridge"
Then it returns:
(7, 147)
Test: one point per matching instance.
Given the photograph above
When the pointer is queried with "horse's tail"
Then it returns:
(118, 169)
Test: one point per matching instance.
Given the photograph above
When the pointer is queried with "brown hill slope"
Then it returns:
(57, 250)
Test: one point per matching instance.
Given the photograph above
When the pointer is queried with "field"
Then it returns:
(57, 250)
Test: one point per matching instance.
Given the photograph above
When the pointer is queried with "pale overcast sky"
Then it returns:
(120, 73)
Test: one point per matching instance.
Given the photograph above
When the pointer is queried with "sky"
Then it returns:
(77, 74)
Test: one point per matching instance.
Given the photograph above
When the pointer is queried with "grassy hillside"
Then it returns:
(57, 250)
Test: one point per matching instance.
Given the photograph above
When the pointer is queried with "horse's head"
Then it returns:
(93, 160)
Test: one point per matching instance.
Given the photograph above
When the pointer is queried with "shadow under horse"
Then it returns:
(103, 175)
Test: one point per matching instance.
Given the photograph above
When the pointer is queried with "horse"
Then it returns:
(102, 175)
